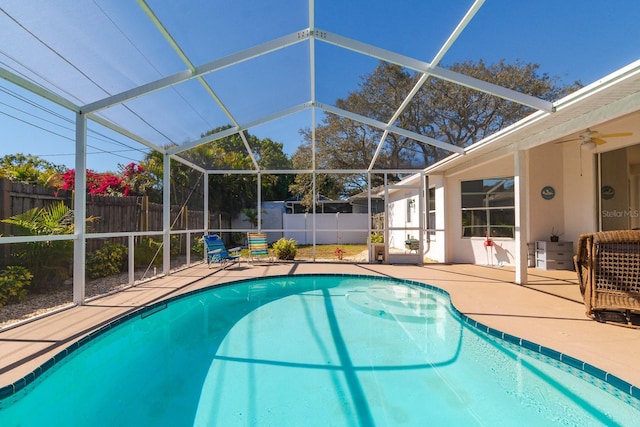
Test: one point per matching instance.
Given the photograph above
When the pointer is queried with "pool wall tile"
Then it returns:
(550, 353)
(48, 364)
(7, 391)
(618, 383)
(512, 339)
(596, 372)
(572, 361)
(530, 345)
(495, 332)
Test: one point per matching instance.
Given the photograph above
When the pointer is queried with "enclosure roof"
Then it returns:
(164, 73)
(610, 105)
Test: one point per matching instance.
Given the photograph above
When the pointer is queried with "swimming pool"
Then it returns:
(313, 350)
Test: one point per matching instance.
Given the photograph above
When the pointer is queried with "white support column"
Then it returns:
(313, 213)
(206, 211)
(187, 238)
(386, 218)
(205, 202)
(259, 216)
(521, 184)
(166, 215)
(80, 211)
(131, 262)
(442, 215)
(369, 207)
(423, 233)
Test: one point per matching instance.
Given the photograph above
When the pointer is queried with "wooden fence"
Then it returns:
(114, 214)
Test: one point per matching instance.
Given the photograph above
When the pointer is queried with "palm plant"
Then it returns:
(49, 261)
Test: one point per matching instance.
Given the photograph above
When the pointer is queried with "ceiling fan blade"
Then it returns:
(614, 135)
(598, 141)
(567, 140)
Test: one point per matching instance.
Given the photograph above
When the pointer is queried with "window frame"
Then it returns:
(493, 195)
(431, 212)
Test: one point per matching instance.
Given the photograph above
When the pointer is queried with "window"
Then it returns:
(488, 206)
(411, 205)
(432, 211)
(619, 183)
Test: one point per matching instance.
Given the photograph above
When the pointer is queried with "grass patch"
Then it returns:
(326, 251)
(322, 251)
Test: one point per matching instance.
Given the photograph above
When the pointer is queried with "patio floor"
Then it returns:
(548, 311)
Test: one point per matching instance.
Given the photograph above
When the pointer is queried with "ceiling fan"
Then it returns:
(591, 138)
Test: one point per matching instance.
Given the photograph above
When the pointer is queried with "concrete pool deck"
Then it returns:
(548, 311)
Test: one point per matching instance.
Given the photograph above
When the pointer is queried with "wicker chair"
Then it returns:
(608, 267)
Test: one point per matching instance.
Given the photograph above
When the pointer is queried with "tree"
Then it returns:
(302, 186)
(228, 193)
(441, 110)
(461, 116)
(240, 191)
(30, 169)
(135, 178)
(97, 184)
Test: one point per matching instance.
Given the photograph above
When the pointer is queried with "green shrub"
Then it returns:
(376, 238)
(175, 243)
(198, 248)
(107, 261)
(14, 281)
(285, 249)
(148, 252)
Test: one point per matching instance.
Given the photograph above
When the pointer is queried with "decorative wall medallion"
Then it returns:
(548, 192)
(608, 192)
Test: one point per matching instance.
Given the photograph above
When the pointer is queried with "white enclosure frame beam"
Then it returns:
(176, 47)
(205, 202)
(307, 171)
(188, 163)
(38, 90)
(423, 78)
(393, 129)
(439, 72)
(166, 214)
(80, 211)
(210, 67)
(233, 130)
(118, 129)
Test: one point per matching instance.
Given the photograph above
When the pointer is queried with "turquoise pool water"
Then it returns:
(327, 350)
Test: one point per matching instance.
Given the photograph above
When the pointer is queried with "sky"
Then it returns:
(89, 50)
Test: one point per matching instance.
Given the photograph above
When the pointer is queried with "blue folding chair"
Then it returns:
(218, 252)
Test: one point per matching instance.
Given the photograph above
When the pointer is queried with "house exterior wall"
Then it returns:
(397, 214)
(435, 241)
(578, 195)
(571, 212)
(546, 170)
(472, 250)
